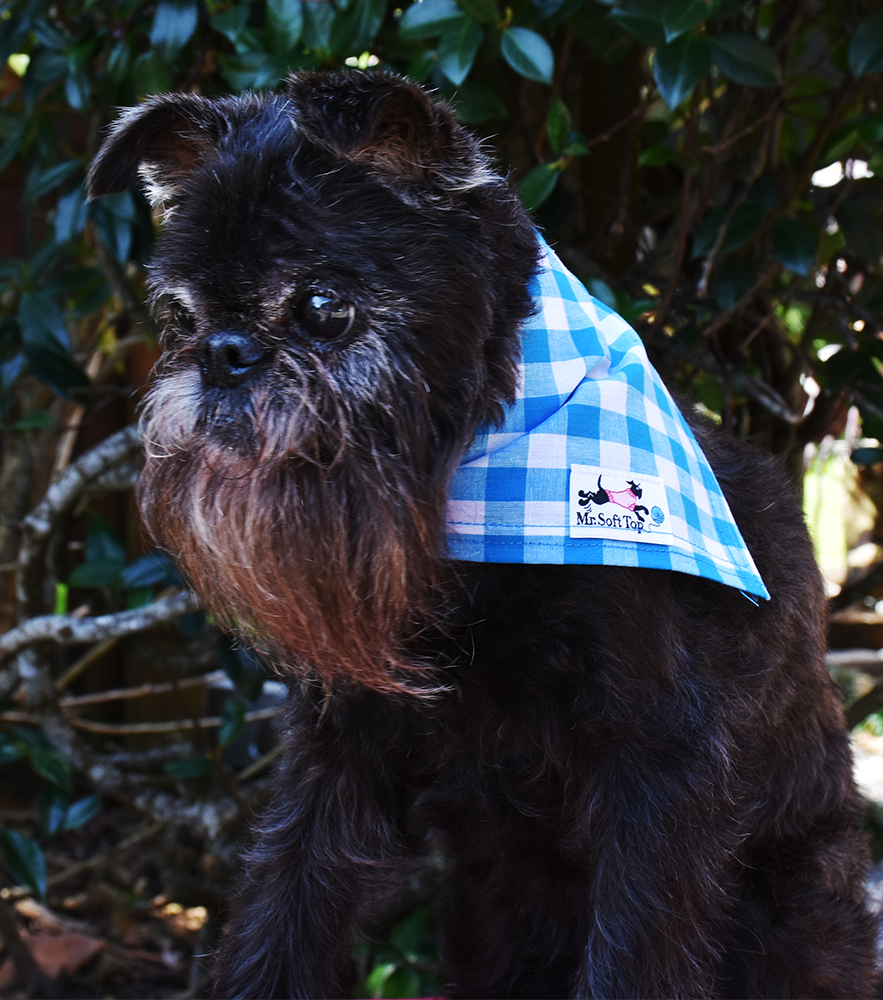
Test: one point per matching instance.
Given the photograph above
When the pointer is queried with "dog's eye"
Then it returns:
(325, 317)
(181, 318)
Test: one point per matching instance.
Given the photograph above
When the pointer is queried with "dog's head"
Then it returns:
(340, 279)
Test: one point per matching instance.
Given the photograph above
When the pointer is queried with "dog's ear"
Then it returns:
(162, 139)
(390, 126)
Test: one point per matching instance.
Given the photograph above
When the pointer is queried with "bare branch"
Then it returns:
(61, 497)
(206, 818)
(68, 630)
(142, 691)
(141, 728)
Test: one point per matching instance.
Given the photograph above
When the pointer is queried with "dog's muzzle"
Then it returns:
(229, 358)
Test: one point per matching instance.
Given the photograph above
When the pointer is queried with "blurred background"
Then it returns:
(713, 169)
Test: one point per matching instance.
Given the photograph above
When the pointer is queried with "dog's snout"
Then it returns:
(229, 357)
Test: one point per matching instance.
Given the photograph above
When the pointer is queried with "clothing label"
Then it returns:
(610, 503)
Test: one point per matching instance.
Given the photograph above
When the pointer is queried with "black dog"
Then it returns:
(639, 779)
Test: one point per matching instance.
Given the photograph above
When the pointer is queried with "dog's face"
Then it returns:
(339, 280)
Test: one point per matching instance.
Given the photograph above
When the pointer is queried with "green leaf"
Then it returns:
(102, 542)
(71, 214)
(631, 309)
(429, 18)
(642, 21)
(139, 598)
(97, 573)
(232, 721)
(485, 11)
(475, 102)
(10, 340)
(679, 66)
(557, 10)
(151, 74)
(49, 764)
(189, 767)
(16, 24)
(148, 571)
(602, 292)
(62, 593)
(77, 88)
(709, 392)
(47, 180)
(51, 809)
(559, 125)
(37, 420)
(402, 982)
(679, 16)
(744, 224)
(80, 812)
(114, 215)
(10, 372)
(25, 860)
(9, 149)
(10, 749)
(58, 370)
(867, 456)
(408, 934)
(105, 559)
(422, 65)
(42, 322)
(866, 130)
(457, 49)
(866, 46)
(528, 53)
(794, 245)
(734, 279)
(319, 19)
(657, 156)
(173, 26)
(537, 184)
(371, 14)
(285, 23)
(255, 70)
(745, 59)
(860, 230)
(727, 8)
(375, 984)
(231, 22)
(119, 62)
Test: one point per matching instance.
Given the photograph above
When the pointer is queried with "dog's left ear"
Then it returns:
(162, 139)
(390, 126)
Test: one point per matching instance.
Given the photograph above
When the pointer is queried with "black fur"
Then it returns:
(640, 781)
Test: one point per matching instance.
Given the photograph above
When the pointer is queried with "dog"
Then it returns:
(627, 750)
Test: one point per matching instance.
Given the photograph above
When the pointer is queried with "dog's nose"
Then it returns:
(229, 357)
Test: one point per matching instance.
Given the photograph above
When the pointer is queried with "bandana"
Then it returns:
(594, 463)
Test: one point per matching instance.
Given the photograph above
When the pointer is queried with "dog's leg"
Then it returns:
(629, 899)
(329, 841)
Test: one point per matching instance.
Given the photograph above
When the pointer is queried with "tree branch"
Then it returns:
(68, 630)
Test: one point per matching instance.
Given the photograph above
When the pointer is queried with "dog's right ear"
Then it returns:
(389, 125)
(162, 140)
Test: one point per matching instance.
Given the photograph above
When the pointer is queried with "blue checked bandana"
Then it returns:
(594, 463)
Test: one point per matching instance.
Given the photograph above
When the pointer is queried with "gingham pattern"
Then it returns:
(589, 397)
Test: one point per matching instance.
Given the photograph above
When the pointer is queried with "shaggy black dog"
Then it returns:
(639, 779)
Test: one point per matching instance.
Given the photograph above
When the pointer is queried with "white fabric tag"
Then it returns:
(610, 503)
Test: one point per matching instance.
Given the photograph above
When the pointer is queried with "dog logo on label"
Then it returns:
(626, 498)
(618, 504)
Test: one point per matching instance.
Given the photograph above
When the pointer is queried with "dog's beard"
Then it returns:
(295, 525)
